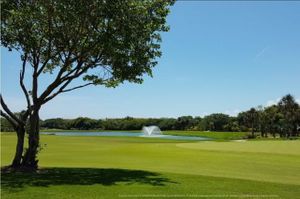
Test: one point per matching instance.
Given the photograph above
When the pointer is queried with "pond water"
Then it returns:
(125, 134)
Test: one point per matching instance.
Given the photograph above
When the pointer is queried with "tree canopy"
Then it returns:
(102, 42)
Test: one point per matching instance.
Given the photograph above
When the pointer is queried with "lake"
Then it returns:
(125, 134)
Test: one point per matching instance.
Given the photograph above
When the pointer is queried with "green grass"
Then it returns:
(212, 134)
(113, 167)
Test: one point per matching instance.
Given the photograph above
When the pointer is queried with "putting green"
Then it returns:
(256, 167)
(290, 147)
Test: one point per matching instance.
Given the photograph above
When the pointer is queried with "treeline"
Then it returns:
(282, 119)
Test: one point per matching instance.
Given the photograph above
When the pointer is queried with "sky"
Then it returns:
(218, 57)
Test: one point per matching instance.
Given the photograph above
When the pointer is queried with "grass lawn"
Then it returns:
(123, 167)
(211, 134)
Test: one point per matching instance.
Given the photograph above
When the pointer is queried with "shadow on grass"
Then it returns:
(80, 176)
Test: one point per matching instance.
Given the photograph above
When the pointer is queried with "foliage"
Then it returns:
(84, 123)
(250, 120)
(215, 122)
(117, 40)
(56, 123)
(184, 123)
(5, 125)
(289, 109)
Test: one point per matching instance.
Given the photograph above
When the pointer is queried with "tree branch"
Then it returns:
(77, 87)
(61, 90)
(6, 109)
(49, 57)
(77, 73)
(9, 119)
(56, 93)
(22, 73)
(58, 80)
(75, 69)
(34, 90)
(46, 62)
(42, 67)
(67, 78)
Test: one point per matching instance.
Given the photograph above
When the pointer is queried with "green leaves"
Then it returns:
(122, 35)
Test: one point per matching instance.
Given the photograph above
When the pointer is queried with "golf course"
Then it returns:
(149, 99)
(134, 167)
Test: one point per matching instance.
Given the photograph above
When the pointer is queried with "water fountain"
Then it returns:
(151, 130)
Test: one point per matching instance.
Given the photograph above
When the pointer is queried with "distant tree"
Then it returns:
(104, 42)
(198, 124)
(56, 123)
(84, 123)
(250, 119)
(167, 124)
(232, 125)
(215, 122)
(273, 119)
(263, 123)
(298, 121)
(6, 125)
(184, 123)
(289, 109)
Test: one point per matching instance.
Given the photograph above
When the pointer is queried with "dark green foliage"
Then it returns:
(289, 109)
(84, 123)
(250, 120)
(6, 126)
(184, 123)
(232, 125)
(270, 121)
(114, 41)
(126, 123)
(56, 123)
(282, 119)
(215, 122)
(167, 124)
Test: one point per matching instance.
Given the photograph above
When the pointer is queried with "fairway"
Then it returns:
(112, 167)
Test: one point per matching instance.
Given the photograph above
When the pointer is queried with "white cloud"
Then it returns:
(272, 102)
(234, 112)
(203, 114)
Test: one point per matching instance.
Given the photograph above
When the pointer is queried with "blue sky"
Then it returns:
(218, 57)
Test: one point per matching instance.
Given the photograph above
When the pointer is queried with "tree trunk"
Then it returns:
(30, 158)
(19, 148)
(294, 133)
(252, 130)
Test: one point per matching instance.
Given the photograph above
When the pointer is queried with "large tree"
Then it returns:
(249, 119)
(289, 108)
(102, 42)
(273, 120)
